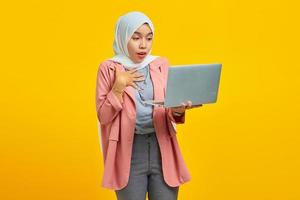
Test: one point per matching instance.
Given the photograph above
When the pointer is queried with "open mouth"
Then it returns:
(141, 54)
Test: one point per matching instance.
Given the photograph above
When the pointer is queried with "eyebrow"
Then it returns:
(151, 33)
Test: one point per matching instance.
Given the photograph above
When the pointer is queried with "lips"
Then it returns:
(141, 55)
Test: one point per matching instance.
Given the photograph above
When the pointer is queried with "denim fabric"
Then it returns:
(146, 172)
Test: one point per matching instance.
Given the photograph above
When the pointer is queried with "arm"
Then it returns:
(173, 120)
(177, 119)
(108, 101)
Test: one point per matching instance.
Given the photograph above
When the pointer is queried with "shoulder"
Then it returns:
(161, 61)
(163, 64)
(164, 61)
(106, 65)
(106, 69)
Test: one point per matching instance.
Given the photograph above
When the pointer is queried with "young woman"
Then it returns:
(138, 141)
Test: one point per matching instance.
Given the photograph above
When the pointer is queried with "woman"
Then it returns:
(138, 140)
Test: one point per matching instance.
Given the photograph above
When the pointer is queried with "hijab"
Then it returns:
(125, 26)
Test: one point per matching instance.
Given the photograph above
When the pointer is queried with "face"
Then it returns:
(140, 43)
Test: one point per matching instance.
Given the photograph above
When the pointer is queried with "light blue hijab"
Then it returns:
(125, 27)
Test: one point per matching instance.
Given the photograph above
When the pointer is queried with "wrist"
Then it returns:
(118, 94)
(118, 90)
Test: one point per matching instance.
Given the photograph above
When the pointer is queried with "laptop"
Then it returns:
(198, 83)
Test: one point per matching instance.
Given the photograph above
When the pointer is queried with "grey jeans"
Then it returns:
(146, 172)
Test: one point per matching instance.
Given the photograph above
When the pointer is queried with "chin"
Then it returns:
(139, 60)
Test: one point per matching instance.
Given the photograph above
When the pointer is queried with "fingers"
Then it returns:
(139, 79)
(188, 105)
(137, 75)
(134, 85)
(182, 107)
(133, 70)
(177, 107)
(136, 79)
(132, 76)
(195, 106)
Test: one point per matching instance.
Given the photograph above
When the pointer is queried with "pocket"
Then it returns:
(114, 136)
(115, 130)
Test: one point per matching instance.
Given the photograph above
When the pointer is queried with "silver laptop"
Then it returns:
(198, 83)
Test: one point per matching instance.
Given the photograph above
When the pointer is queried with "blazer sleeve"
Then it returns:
(107, 104)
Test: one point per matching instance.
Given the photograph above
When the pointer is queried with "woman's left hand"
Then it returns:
(185, 105)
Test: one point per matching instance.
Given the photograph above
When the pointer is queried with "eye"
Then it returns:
(135, 38)
(149, 39)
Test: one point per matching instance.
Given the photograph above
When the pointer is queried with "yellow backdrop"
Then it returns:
(244, 147)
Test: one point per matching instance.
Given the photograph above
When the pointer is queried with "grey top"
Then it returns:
(144, 121)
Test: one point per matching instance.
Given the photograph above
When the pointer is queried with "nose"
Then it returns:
(143, 43)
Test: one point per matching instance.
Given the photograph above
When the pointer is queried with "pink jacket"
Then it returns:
(117, 122)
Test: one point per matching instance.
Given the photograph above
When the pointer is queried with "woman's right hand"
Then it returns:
(127, 78)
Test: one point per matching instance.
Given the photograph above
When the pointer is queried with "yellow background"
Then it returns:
(244, 147)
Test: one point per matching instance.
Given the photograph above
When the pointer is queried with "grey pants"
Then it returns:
(146, 172)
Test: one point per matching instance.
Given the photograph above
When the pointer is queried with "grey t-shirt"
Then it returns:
(144, 121)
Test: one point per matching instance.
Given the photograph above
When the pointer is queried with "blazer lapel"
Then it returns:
(156, 76)
(130, 91)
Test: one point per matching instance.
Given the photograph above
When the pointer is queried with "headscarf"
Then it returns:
(125, 27)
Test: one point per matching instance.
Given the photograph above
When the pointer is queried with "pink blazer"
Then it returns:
(117, 123)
